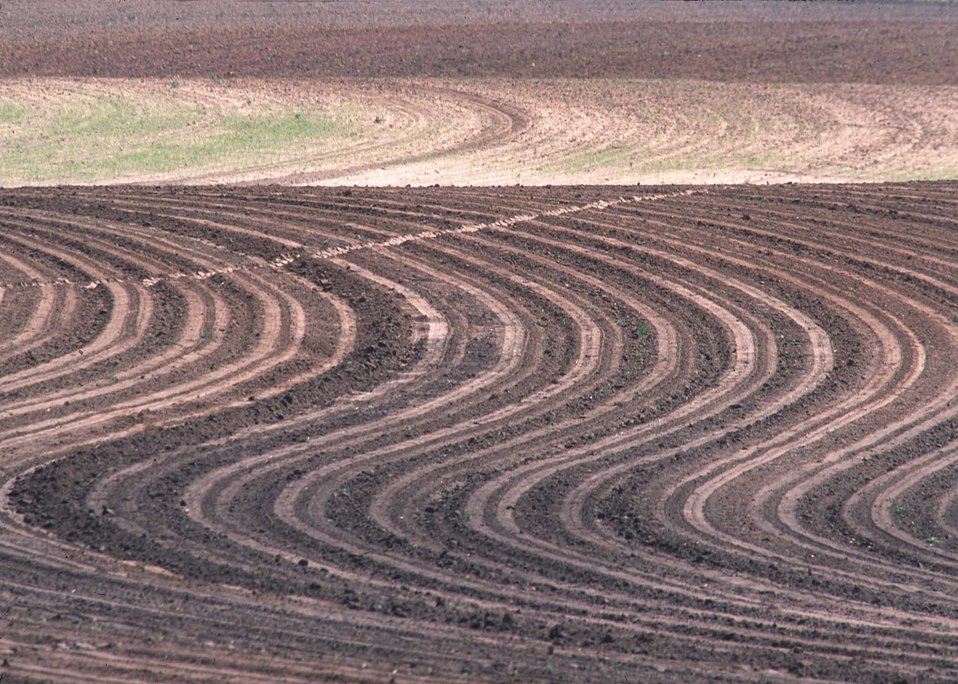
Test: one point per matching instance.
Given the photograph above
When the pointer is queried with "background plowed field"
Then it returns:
(874, 43)
(532, 429)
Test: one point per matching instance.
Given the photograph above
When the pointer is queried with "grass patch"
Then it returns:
(77, 136)
(592, 159)
(236, 138)
(12, 112)
(927, 173)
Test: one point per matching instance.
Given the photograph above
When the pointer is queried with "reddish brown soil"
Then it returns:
(300, 434)
(914, 43)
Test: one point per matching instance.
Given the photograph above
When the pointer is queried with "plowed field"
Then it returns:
(629, 432)
(572, 433)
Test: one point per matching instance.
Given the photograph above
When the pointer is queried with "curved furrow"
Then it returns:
(59, 425)
(26, 310)
(210, 331)
(192, 295)
(507, 362)
(496, 432)
(106, 306)
(938, 345)
(508, 503)
(229, 479)
(744, 459)
(666, 368)
(585, 364)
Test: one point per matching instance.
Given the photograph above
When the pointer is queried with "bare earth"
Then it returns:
(573, 433)
(480, 132)
(553, 433)
(914, 43)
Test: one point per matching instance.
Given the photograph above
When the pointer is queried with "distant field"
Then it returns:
(471, 131)
(828, 42)
(97, 131)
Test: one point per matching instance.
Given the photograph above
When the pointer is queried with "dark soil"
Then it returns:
(914, 43)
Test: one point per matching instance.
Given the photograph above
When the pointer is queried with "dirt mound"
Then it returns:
(580, 433)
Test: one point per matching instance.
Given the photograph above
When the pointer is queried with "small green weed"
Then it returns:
(931, 539)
